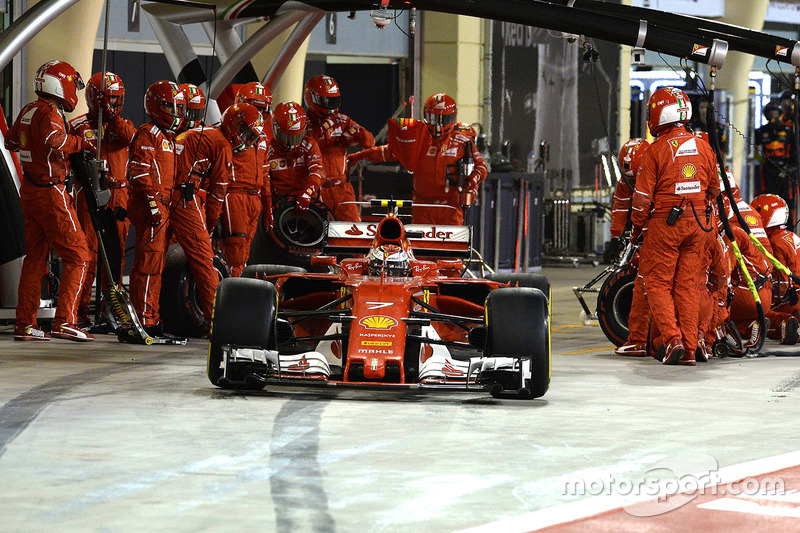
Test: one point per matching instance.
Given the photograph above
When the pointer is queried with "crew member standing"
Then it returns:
(436, 153)
(202, 171)
(248, 193)
(105, 95)
(151, 172)
(678, 174)
(334, 132)
(44, 141)
(294, 159)
(630, 156)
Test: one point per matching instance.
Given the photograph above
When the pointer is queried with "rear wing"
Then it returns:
(428, 241)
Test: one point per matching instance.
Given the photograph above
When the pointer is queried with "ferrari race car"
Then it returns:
(394, 312)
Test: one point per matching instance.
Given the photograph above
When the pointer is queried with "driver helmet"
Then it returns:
(389, 258)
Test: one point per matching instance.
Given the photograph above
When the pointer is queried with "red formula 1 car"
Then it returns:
(384, 317)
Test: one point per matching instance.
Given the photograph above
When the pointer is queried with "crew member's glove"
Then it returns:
(353, 159)
(88, 145)
(266, 220)
(636, 235)
(153, 210)
(304, 200)
(613, 249)
(472, 185)
(791, 296)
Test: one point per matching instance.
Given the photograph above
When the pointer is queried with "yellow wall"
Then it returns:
(290, 86)
(452, 61)
(77, 27)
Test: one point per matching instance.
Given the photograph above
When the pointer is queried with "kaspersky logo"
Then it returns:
(378, 322)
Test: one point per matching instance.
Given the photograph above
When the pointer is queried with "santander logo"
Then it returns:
(354, 231)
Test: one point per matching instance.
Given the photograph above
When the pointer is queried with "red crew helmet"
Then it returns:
(667, 106)
(164, 103)
(440, 114)
(772, 208)
(256, 94)
(630, 156)
(288, 124)
(105, 92)
(241, 124)
(59, 80)
(322, 96)
(195, 105)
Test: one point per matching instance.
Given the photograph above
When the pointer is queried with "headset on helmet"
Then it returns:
(195, 105)
(322, 96)
(256, 94)
(164, 103)
(390, 259)
(105, 92)
(630, 156)
(440, 114)
(59, 80)
(288, 124)
(242, 125)
(667, 106)
(772, 208)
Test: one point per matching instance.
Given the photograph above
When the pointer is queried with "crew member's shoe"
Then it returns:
(71, 332)
(30, 332)
(703, 353)
(633, 350)
(673, 351)
(789, 331)
(688, 359)
(156, 330)
(752, 335)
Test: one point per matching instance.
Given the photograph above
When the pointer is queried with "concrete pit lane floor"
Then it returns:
(115, 437)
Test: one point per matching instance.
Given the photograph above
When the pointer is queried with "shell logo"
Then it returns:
(688, 170)
(378, 322)
(751, 220)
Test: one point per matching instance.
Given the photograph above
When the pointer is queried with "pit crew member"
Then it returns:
(44, 141)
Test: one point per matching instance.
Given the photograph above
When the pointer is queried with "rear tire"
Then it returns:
(518, 325)
(614, 305)
(265, 271)
(244, 315)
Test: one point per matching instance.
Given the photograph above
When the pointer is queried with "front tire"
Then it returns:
(244, 315)
(518, 326)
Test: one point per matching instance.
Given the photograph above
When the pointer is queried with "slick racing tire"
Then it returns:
(518, 326)
(294, 238)
(536, 281)
(244, 315)
(614, 305)
(180, 304)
